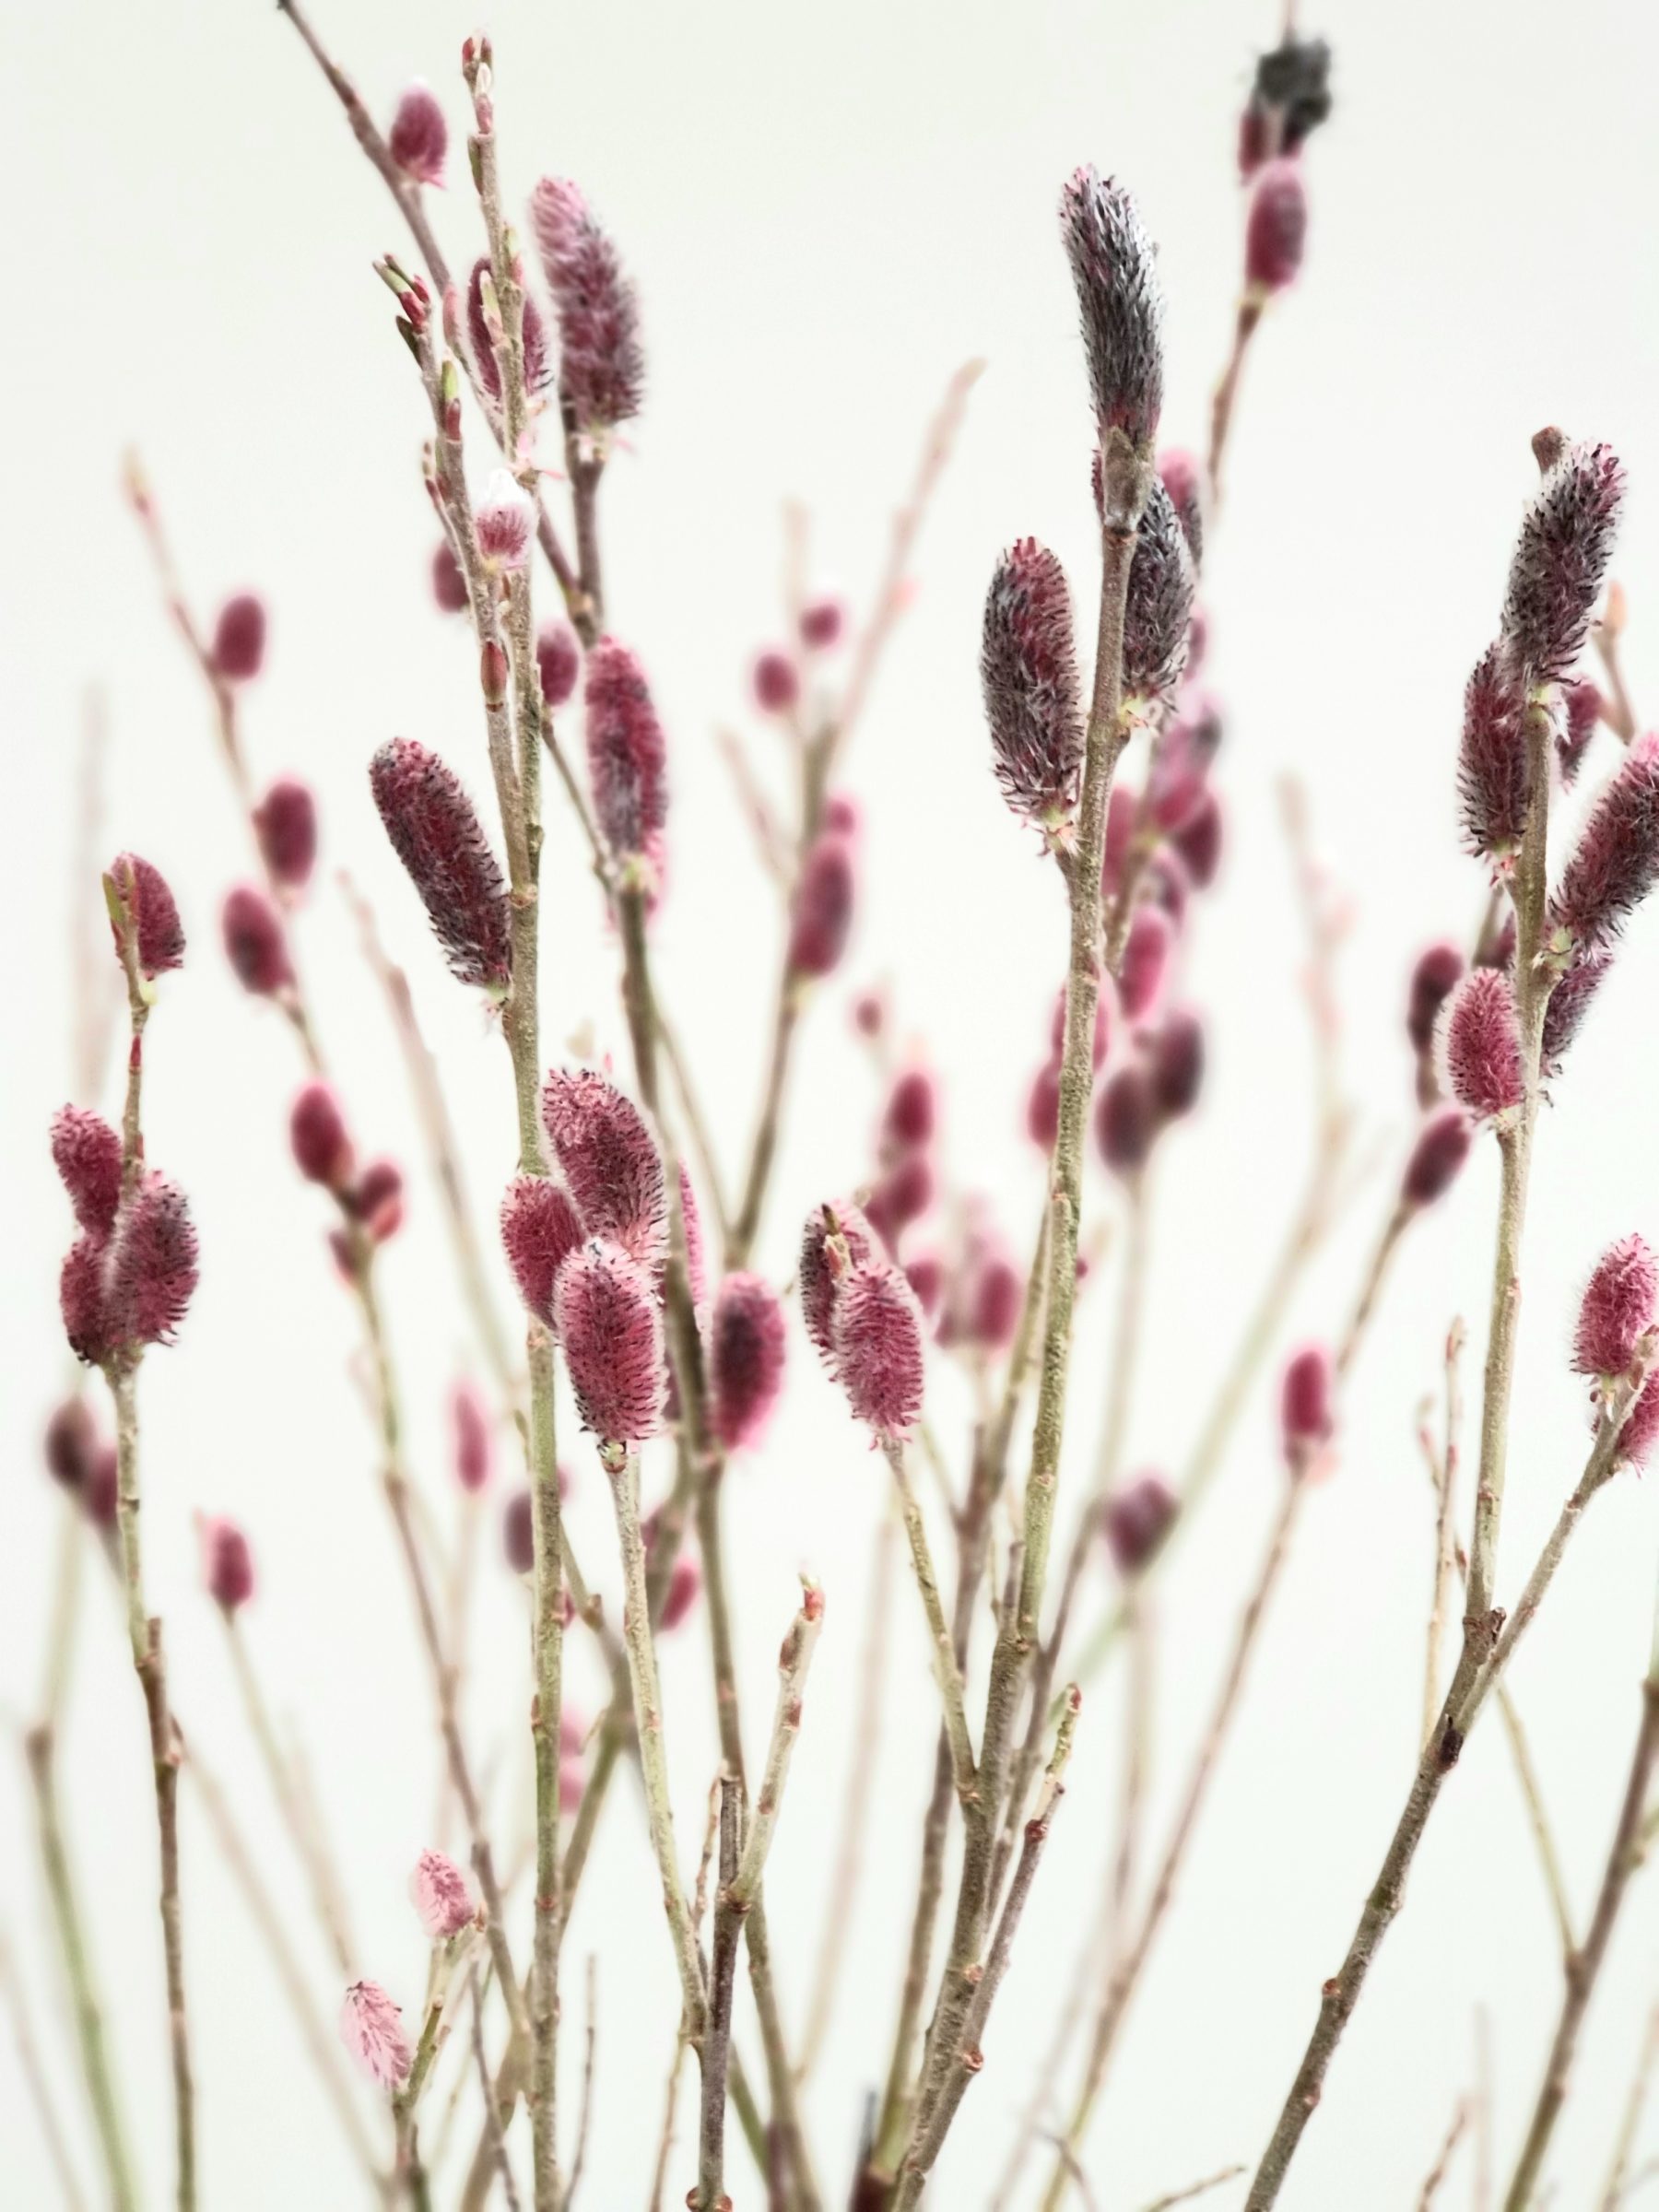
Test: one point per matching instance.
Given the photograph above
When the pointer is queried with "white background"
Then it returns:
(828, 211)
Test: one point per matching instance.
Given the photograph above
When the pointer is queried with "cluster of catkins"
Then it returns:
(450, 1917)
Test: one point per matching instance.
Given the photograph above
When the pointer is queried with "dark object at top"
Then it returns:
(1294, 79)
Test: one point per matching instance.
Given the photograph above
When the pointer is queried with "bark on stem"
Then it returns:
(710, 2193)
(946, 1666)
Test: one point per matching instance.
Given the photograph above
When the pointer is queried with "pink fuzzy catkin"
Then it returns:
(1442, 1145)
(1493, 776)
(1029, 678)
(540, 1228)
(1275, 229)
(152, 1268)
(1135, 1520)
(152, 913)
(1438, 971)
(255, 942)
(87, 1154)
(744, 1359)
(473, 1453)
(418, 138)
(441, 1896)
(611, 1328)
(911, 1112)
(821, 914)
(876, 1332)
(1307, 1416)
(372, 2029)
(1115, 266)
(286, 824)
(557, 662)
(816, 1275)
(1478, 1044)
(1561, 557)
(609, 1159)
(436, 833)
(601, 363)
(537, 367)
(227, 1564)
(1615, 862)
(239, 639)
(627, 753)
(1616, 1308)
(322, 1143)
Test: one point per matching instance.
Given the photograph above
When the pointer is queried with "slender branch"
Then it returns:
(1227, 391)
(40, 2089)
(579, 2159)
(793, 1662)
(1193, 2189)
(1613, 2188)
(492, 2111)
(710, 2193)
(1606, 632)
(1444, 1472)
(1437, 2172)
(945, 1667)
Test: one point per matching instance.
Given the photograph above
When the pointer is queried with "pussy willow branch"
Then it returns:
(1613, 2188)
(322, 1878)
(710, 2193)
(1584, 1964)
(945, 1668)
(492, 2113)
(1442, 2162)
(34, 2076)
(1443, 1472)
(1485, 1655)
(579, 2157)
(1245, 321)
(38, 1747)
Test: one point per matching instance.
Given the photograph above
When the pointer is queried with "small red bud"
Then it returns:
(239, 638)
(418, 138)
(323, 1148)
(777, 682)
(286, 824)
(449, 585)
(226, 1565)
(255, 944)
(557, 661)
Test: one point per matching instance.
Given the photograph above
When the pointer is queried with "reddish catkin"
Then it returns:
(925, 1275)
(821, 911)
(626, 751)
(255, 942)
(239, 639)
(322, 1143)
(227, 1564)
(815, 1274)
(540, 1228)
(1568, 1002)
(611, 1327)
(1147, 951)
(538, 363)
(1561, 557)
(1437, 971)
(448, 584)
(1126, 1119)
(1307, 1415)
(1029, 678)
(152, 914)
(372, 2029)
(286, 824)
(744, 1359)
(822, 623)
(1042, 1106)
(377, 1199)
(441, 1896)
(600, 362)
(1580, 710)
(911, 1112)
(418, 138)
(691, 1222)
(81, 1300)
(1437, 1156)
(87, 1154)
(71, 1443)
(1184, 480)
(1135, 1520)
(152, 1268)
(1197, 839)
(1161, 601)
(557, 662)
(1175, 1062)
(1115, 266)
(1275, 229)
(776, 682)
(1478, 1045)
(518, 1533)
(684, 1587)
(436, 833)
(502, 520)
(1616, 1308)
(876, 1332)
(1493, 781)
(1640, 1430)
(609, 1159)
(903, 1196)
(1615, 862)
(473, 1453)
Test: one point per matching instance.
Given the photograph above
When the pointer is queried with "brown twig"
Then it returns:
(585, 2121)
(40, 2088)
(1614, 2187)
(1438, 2172)
(492, 2113)
(710, 2193)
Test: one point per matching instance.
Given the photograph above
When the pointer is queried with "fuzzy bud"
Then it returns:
(1197, 840)
(153, 1267)
(684, 1587)
(611, 1327)
(1441, 1146)
(1042, 1106)
(1615, 862)
(1581, 704)
(322, 1144)
(1616, 1308)
(418, 138)
(441, 1896)
(822, 622)
(1438, 971)
(226, 1565)
(609, 1158)
(1147, 951)
(903, 1196)
(503, 523)
(1640, 1430)
(777, 682)
(70, 1445)
(601, 364)
(437, 835)
(1275, 229)
(816, 1273)
(378, 1199)
(1175, 1062)
(1028, 676)
(152, 914)
(87, 1154)
(627, 756)
(1182, 479)
(1478, 1045)
(744, 1359)
(557, 662)
(821, 914)
(255, 942)
(518, 1533)
(1161, 601)
(1561, 557)
(1126, 1119)
(239, 639)
(1568, 1002)
(1493, 781)
(992, 1309)
(81, 1300)
(1136, 1520)
(469, 1430)
(926, 1275)
(1115, 266)
(1307, 1416)
(449, 585)
(537, 366)
(876, 1332)
(286, 824)
(540, 1228)
(912, 1113)
(372, 2029)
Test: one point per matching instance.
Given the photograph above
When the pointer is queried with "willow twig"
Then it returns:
(40, 2088)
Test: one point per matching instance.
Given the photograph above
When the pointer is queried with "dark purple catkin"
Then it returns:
(1616, 1308)
(1147, 951)
(1568, 1002)
(609, 1159)
(152, 913)
(776, 681)
(151, 1270)
(601, 363)
(317, 1132)
(1042, 1106)
(1441, 1146)
(627, 756)
(286, 824)
(1306, 1413)
(540, 1228)
(377, 1199)
(437, 835)
(1115, 266)
(692, 1222)
(1292, 88)
(1126, 1119)
(1493, 775)
(1135, 1520)
(1581, 705)
(255, 943)
(821, 912)
(1561, 557)
(1615, 862)
(518, 1532)
(557, 662)
(81, 1300)
(449, 585)
(1175, 1062)
(1438, 970)
(744, 1359)
(911, 1114)
(537, 367)
(1028, 676)
(226, 1565)
(70, 1444)
(1197, 840)
(1275, 229)
(473, 1453)
(418, 138)
(239, 639)
(611, 1327)
(1184, 480)
(877, 1341)
(815, 1274)
(87, 1154)
(926, 1275)
(1161, 601)
(1478, 1044)
(822, 622)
